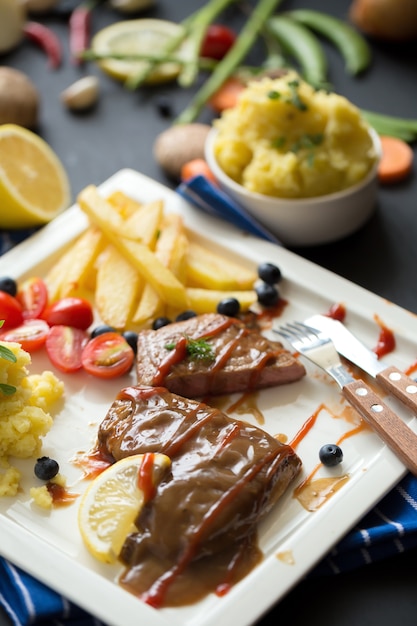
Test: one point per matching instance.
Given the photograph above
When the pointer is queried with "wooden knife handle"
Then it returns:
(399, 385)
(390, 427)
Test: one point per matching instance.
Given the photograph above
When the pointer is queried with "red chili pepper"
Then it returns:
(46, 39)
(79, 31)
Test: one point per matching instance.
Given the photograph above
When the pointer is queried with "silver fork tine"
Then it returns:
(300, 332)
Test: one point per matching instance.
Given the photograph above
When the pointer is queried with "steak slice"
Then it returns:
(239, 358)
(199, 532)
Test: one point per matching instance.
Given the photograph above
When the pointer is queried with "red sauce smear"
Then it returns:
(94, 462)
(306, 427)
(176, 355)
(412, 369)
(350, 433)
(337, 312)
(386, 339)
(145, 478)
(223, 356)
(223, 588)
(60, 495)
(230, 435)
(268, 314)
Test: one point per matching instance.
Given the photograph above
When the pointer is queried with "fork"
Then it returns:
(320, 350)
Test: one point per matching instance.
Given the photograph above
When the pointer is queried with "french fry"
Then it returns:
(117, 287)
(209, 270)
(145, 224)
(178, 263)
(134, 220)
(125, 205)
(168, 246)
(72, 274)
(153, 271)
(206, 300)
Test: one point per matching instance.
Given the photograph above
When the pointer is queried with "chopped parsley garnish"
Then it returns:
(295, 96)
(196, 349)
(7, 355)
(274, 95)
(307, 142)
(278, 142)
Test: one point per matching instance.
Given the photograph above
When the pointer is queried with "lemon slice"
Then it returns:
(142, 36)
(113, 500)
(34, 186)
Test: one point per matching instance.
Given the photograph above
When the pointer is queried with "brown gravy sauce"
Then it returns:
(247, 404)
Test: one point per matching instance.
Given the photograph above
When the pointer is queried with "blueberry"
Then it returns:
(132, 339)
(330, 455)
(268, 295)
(46, 468)
(100, 330)
(160, 322)
(185, 315)
(269, 273)
(8, 285)
(229, 307)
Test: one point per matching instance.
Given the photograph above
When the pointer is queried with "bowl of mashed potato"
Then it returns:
(302, 161)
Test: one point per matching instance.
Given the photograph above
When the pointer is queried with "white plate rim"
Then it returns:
(249, 600)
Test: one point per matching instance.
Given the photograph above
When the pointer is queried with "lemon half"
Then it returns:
(141, 36)
(112, 502)
(34, 186)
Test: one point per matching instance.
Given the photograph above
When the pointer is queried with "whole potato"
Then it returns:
(178, 145)
(19, 98)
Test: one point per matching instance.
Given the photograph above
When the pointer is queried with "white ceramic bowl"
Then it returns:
(306, 221)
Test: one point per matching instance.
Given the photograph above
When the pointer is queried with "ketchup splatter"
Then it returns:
(337, 312)
(60, 495)
(145, 481)
(386, 339)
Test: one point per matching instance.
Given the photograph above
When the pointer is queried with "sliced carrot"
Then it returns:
(226, 96)
(196, 167)
(396, 160)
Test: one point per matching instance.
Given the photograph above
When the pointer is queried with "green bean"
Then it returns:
(252, 27)
(194, 27)
(299, 42)
(200, 22)
(351, 44)
(400, 123)
(402, 128)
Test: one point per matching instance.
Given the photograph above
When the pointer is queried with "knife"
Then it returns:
(389, 377)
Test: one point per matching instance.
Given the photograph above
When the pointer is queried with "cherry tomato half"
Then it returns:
(217, 41)
(107, 356)
(31, 334)
(32, 294)
(11, 311)
(75, 312)
(64, 346)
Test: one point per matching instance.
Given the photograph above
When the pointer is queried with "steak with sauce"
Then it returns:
(199, 532)
(239, 358)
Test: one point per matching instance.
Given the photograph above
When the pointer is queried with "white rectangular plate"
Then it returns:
(48, 545)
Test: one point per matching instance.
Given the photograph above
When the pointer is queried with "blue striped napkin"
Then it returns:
(388, 529)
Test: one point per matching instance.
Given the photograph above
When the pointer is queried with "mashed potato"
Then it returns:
(285, 139)
(24, 416)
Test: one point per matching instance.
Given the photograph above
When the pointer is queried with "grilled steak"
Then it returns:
(226, 357)
(198, 534)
